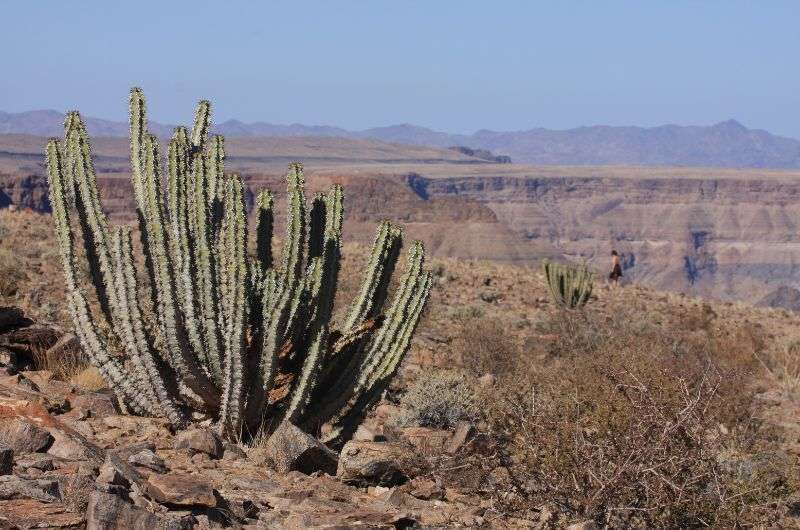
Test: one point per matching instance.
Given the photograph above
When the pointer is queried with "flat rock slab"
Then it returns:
(14, 487)
(110, 512)
(29, 513)
(180, 490)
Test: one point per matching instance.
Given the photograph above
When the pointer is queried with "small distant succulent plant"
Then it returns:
(570, 286)
(220, 335)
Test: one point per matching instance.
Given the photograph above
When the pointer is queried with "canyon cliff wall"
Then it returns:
(720, 233)
(721, 238)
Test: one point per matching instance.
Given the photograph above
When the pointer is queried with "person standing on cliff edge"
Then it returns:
(616, 269)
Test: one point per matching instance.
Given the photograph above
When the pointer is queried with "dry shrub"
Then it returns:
(486, 346)
(64, 363)
(12, 274)
(633, 424)
(783, 364)
(439, 399)
(464, 313)
(88, 379)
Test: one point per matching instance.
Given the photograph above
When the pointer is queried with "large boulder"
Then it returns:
(110, 512)
(292, 449)
(366, 463)
(200, 441)
(24, 437)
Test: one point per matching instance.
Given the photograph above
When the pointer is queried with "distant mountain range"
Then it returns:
(726, 144)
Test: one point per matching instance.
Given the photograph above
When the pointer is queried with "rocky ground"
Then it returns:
(70, 458)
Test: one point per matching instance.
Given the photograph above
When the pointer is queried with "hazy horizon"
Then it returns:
(453, 67)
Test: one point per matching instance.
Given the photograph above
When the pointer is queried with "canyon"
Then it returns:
(726, 234)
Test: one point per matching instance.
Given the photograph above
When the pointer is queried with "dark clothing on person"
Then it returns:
(616, 273)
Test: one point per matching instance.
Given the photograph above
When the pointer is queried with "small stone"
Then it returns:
(583, 525)
(487, 380)
(200, 441)
(149, 460)
(233, 452)
(181, 490)
(462, 433)
(292, 449)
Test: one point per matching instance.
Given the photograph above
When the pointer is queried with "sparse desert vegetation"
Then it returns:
(643, 410)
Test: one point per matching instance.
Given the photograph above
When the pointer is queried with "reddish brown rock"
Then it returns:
(110, 512)
(427, 440)
(463, 432)
(200, 441)
(369, 463)
(30, 513)
(181, 490)
(292, 449)
(24, 437)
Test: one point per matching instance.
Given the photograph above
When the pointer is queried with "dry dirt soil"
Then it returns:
(646, 409)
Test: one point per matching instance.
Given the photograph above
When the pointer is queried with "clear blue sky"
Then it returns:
(451, 65)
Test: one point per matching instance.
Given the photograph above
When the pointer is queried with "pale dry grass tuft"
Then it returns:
(88, 379)
(783, 364)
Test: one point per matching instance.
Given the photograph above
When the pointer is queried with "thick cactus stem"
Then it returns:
(238, 340)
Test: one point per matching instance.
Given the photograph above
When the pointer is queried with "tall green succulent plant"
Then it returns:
(569, 286)
(234, 338)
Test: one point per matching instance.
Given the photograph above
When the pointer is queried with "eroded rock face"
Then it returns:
(706, 233)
